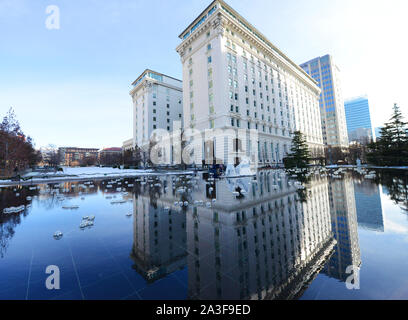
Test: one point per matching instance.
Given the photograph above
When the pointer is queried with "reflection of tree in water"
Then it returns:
(9, 221)
(396, 182)
(304, 178)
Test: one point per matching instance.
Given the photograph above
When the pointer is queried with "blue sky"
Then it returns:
(71, 86)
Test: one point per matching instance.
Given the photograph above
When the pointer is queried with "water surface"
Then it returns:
(185, 237)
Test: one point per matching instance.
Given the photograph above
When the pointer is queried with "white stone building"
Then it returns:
(157, 104)
(233, 77)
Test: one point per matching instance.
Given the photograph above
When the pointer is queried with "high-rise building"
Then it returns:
(358, 119)
(157, 103)
(233, 78)
(333, 119)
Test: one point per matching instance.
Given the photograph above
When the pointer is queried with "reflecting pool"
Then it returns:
(324, 235)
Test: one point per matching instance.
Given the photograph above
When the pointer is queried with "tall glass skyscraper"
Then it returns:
(327, 75)
(358, 119)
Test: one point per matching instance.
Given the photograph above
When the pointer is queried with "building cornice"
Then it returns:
(148, 82)
(241, 25)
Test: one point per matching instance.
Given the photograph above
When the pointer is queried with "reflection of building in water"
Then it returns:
(264, 245)
(344, 226)
(368, 205)
(159, 246)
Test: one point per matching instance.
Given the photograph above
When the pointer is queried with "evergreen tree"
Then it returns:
(300, 154)
(392, 148)
(397, 128)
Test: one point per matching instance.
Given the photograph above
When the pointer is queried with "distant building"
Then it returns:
(327, 74)
(110, 151)
(72, 156)
(110, 156)
(127, 145)
(358, 119)
(157, 103)
(378, 133)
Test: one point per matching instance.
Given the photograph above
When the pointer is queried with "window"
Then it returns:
(154, 103)
(209, 59)
(209, 47)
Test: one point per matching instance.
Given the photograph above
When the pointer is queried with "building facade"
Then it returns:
(157, 104)
(358, 119)
(333, 118)
(110, 156)
(234, 78)
(72, 156)
(127, 145)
